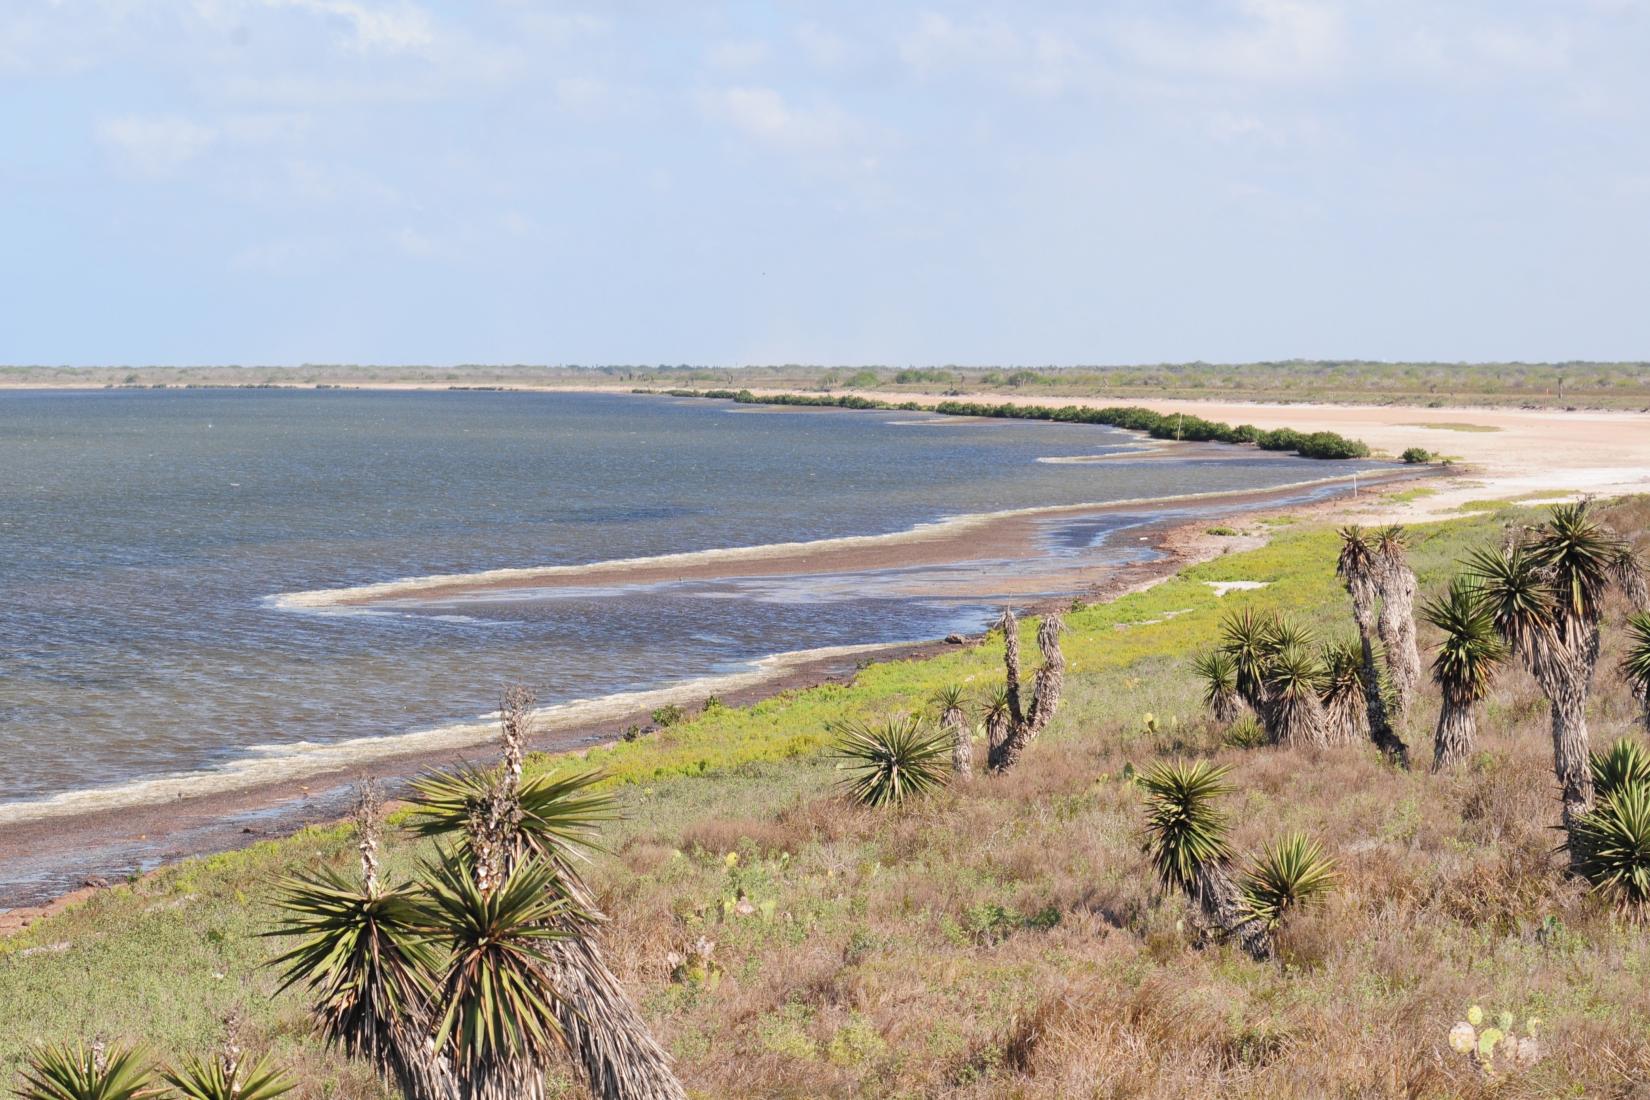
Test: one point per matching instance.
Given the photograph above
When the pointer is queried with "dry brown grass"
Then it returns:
(1006, 938)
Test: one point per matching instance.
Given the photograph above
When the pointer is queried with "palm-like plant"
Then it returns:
(949, 702)
(1345, 716)
(79, 1073)
(1635, 667)
(558, 817)
(1468, 660)
(889, 763)
(499, 1017)
(1247, 638)
(227, 1078)
(1218, 671)
(1610, 845)
(995, 717)
(1287, 876)
(365, 958)
(474, 974)
(1623, 763)
(1397, 619)
(1359, 570)
(1545, 593)
(1293, 681)
(1187, 837)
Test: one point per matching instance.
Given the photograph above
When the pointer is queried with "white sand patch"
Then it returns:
(1223, 587)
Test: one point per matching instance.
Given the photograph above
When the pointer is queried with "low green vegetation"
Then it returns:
(1154, 896)
(1176, 426)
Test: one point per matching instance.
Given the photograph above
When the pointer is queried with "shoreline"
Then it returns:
(204, 821)
(1509, 454)
(953, 540)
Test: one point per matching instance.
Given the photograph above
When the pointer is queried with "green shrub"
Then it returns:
(1417, 456)
(894, 761)
(1611, 845)
(1287, 876)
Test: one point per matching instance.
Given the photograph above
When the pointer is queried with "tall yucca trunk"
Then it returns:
(997, 725)
(1346, 721)
(1379, 724)
(1226, 708)
(1564, 668)
(1397, 630)
(1298, 721)
(1220, 902)
(616, 1053)
(1361, 586)
(1457, 730)
(962, 742)
(1026, 722)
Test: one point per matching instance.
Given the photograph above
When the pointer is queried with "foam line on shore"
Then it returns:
(331, 599)
(266, 764)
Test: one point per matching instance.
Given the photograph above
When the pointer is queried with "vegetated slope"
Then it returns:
(1005, 937)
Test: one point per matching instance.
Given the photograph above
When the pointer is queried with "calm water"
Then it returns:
(141, 534)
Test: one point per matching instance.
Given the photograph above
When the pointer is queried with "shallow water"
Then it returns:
(143, 534)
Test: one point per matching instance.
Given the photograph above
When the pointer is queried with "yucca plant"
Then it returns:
(557, 817)
(1187, 837)
(364, 957)
(1623, 763)
(227, 1078)
(949, 702)
(1293, 681)
(1635, 667)
(1286, 877)
(1346, 719)
(889, 763)
(994, 716)
(1545, 592)
(1359, 570)
(1218, 671)
(496, 819)
(1246, 638)
(492, 957)
(1285, 633)
(1469, 658)
(63, 1072)
(499, 1019)
(1027, 720)
(1396, 624)
(1610, 846)
(366, 961)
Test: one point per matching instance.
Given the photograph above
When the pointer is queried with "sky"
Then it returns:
(1043, 182)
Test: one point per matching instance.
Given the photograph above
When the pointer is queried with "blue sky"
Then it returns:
(283, 181)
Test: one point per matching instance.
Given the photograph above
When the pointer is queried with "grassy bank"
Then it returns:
(1006, 937)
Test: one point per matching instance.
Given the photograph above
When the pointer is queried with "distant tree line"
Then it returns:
(1177, 426)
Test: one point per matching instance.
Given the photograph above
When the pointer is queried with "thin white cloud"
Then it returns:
(154, 145)
(763, 114)
(398, 28)
(1263, 40)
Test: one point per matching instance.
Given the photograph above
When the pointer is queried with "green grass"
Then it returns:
(1002, 939)
(1405, 496)
(1453, 426)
